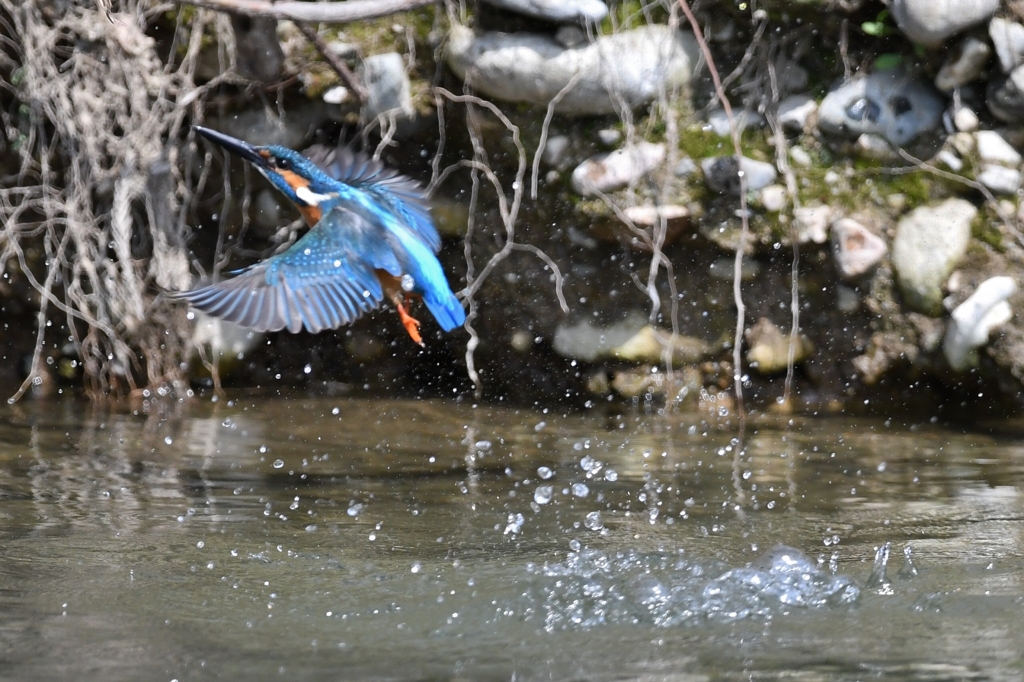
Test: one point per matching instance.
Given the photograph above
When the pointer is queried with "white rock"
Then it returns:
(617, 169)
(993, 148)
(874, 147)
(685, 167)
(795, 111)
(630, 66)
(554, 150)
(974, 319)
(967, 67)
(387, 86)
(965, 120)
(609, 137)
(855, 248)
(718, 121)
(950, 160)
(556, 10)
(887, 103)
(336, 95)
(650, 216)
(811, 223)
(722, 174)
(570, 36)
(801, 157)
(929, 22)
(1008, 40)
(999, 179)
(774, 198)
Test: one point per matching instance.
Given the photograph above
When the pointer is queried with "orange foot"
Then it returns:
(411, 324)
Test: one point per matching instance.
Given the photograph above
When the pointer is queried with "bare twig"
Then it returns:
(326, 12)
(332, 59)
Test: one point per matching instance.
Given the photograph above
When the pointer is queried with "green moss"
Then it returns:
(987, 228)
(631, 14)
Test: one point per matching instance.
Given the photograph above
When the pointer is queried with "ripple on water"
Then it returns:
(592, 588)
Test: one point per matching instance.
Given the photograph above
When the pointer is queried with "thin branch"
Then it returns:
(333, 60)
(326, 12)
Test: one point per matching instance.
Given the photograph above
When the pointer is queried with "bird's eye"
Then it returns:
(284, 164)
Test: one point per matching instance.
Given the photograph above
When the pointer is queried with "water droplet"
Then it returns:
(574, 545)
(580, 489)
(278, 463)
(543, 493)
(416, 567)
(168, 440)
(545, 473)
(540, 426)
(307, 369)
(611, 475)
(336, 410)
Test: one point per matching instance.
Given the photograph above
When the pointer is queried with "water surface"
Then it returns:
(332, 538)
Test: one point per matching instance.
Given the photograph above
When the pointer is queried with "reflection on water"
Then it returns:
(340, 539)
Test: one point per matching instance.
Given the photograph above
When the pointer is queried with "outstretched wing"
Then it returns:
(402, 195)
(325, 280)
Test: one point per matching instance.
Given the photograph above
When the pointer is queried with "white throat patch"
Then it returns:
(308, 196)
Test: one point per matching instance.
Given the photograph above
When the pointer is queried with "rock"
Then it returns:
(589, 342)
(617, 169)
(1005, 96)
(768, 351)
(1008, 41)
(930, 241)
(965, 120)
(609, 137)
(999, 179)
(343, 50)
(993, 148)
(556, 11)
(950, 160)
(722, 174)
(887, 103)
(801, 157)
(651, 345)
(387, 86)
(258, 51)
(774, 198)
(966, 67)
(974, 319)
(339, 94)
(929, 22)
(554, 150)
(811, 223)
(648, 218)
(570, 36)
(795, 112)
(855, 248)
(718, 121)
(874, 147)
(646, 382)
(636, 65)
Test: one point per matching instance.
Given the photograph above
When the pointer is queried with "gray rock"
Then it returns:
(1008, 41)
(570, 36)
(1000, 179)
(1005, 96)
(718, 121)
(588, 342)
(634, 65)
(387, 86)
(554, 150)
(685, 167)
(887, 103)
(869, 146)
(617, 169)
(722, 174)
(855, 248)
(812, 222)
(796, 111)
(929, 22)
(993, 148)
(555, 10)
(974, 319)
(965, 120)
(930, 241)
(965, 67)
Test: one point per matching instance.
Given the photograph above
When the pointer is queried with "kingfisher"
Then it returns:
(371, 237)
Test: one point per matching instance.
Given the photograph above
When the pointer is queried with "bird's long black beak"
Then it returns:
(233, 145)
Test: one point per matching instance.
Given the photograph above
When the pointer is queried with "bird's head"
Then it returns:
(299, 179)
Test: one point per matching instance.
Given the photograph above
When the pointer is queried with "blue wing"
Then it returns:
(325, 280)
(402, 195)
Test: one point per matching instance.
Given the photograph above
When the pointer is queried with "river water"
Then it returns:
(333, 539)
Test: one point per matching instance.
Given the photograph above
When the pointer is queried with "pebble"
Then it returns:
(554, 150)
(722, 174)
(801, 157)
(718, 121)
(774, 198)
(993, 148)
(570, 36)
(609, 137)
(965, 120)
(855, 248)
(650, 216)
(555, 10)
(769, 347)
(1000, 179)
(812, 223)
(635, 64)
(686, 166)
(1008, 41)
(617, 169)
(650, 346)
(1005, 96)
(888, 103)
(966, 67)
(869, 146)
(588, 341)
(336, 95)
(796, 111)
(973, 321)
(930, 22)
(387, 86)
(930, 241)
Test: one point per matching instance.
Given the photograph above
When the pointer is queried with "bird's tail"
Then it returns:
(446, 309)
